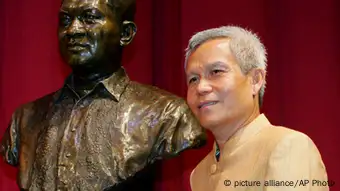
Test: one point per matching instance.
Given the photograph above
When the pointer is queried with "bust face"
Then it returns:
(88, 32)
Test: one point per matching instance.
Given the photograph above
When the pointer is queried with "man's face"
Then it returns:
(88, 31)
(218, 92)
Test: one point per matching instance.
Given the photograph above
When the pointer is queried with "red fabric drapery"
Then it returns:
(303, 62)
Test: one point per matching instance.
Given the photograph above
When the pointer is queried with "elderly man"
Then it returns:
(226, 69)
(100, 131)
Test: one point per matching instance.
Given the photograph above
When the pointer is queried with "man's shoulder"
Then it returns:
(281, 133)
(293, 146)
(281, 139)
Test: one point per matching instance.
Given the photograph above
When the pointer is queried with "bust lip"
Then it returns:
(71, 44)
(76, 47)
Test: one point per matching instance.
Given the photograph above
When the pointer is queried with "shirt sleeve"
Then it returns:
(297, 162)
(180, 131)
(10, 143)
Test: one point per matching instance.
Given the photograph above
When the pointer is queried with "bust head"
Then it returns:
(92, 33)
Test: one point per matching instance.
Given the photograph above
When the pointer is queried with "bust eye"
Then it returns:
(64, 20)
(90, 18)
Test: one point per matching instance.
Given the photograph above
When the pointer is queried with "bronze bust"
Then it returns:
(100, 131)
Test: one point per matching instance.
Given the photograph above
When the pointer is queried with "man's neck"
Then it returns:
(223, 134)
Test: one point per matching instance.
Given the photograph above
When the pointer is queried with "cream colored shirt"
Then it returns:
(263, 157)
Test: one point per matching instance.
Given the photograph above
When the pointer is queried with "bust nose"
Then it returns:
(76, 29)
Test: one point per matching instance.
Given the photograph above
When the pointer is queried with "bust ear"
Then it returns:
(129, 30)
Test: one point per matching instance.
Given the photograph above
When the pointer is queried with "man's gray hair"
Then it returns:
(245, 45)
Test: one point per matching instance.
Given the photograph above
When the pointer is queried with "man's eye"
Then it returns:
(192, 80)
(216, 71)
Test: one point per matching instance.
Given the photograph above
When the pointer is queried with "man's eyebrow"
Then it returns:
(217, 64)
(191, 73)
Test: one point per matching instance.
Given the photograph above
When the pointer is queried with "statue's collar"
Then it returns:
(114, 84)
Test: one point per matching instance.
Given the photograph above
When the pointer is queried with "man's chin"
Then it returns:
(209, 123)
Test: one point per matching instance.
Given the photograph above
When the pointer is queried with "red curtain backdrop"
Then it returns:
(302, 38)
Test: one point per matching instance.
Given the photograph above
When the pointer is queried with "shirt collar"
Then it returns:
(242, 135)
(115, 85)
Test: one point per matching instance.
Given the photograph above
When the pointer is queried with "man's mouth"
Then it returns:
(206, 104)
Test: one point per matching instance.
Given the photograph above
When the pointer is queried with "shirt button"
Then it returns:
(89, 159)
(68, 155)
(73, 129)
(213, 168)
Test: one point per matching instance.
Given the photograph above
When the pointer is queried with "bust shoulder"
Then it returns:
(151, 94)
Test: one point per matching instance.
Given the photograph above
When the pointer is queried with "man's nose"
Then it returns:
(76, 29)
(204, 87)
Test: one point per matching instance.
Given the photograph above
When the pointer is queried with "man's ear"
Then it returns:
(257, 80)
(129, 30)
